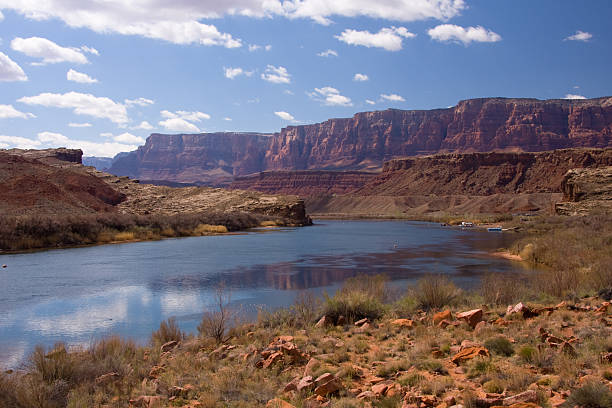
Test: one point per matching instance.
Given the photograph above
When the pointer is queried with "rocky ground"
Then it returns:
(525, 357)
(522, 356)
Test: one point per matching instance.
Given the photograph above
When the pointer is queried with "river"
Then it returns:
(80, 294)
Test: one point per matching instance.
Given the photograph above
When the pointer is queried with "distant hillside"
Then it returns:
(368, 139)
(100, 163)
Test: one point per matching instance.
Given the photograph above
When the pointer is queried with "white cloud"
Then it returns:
(48, 51)
(580, 36)
(8, 111)
(330, 96)
(255, 47)
(232, 73)
(572, 96)
(392, 98)
(370, 102)
(144, 125)
(361, 77)
(128, 138)
(285, 116)
(104, 149)
(80, 77)
(81, 104)
(90, 50)
(10, 70)
(276, 75)
(455, 33)
(80, 125)
(179, 125)
(18, 142)
(328, 53)
(179, 21)
(1, 16)
(190, 116)
(390, 39)
(138, 102)
(227, 119)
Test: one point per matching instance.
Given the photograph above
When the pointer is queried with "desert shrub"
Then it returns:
(501, 289)
(360, 297)
(437, 386)
(590, 395)
(216, 323)
(168, 331)
(500, 345)
(527, 353)
(203, 229)
(493, 386)
(480, 366)
(435, 292)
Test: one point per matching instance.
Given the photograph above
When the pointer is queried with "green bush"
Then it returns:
(360, 297)
(590, 395)
(527, 353)
(435, 292)
(500, 345)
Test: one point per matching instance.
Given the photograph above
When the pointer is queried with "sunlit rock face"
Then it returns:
(368, 139)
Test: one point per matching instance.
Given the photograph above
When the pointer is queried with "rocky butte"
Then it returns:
(368, 139)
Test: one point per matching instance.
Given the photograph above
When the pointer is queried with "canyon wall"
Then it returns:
(368, 139)
(303, 183)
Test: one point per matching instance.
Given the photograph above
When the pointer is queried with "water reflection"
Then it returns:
(81, 294)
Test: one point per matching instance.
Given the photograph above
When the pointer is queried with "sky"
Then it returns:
(103, 75)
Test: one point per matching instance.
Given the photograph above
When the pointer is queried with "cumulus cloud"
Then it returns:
(48, 51)
(227, 119)
(389, 38)
(104, 149)
(81, 104)
(18, 142)
(392, 98)
(458, 34)
(10, 71)
(9, 112)
(138, 102)
(370, 102)
(580, 36)
(90, 50)
(128, 138)
(572, 96)
(182, 121)
(276, 75)
(330, 96)
(328, 53)
(179, 21)
(179, 125)
(144, 125)
(285, 116)
(80, 125)
(360, 78)
(185, 115)
(80, 77)
(1, 16)
(232, 73)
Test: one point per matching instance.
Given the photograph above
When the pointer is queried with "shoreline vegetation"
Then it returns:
(430, 345)
(34, 233)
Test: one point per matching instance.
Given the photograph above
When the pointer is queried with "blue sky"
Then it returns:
(102, 76)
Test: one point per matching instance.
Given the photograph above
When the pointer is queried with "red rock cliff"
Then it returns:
(368, 139)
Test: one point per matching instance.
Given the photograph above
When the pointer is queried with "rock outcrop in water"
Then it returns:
(368, 139)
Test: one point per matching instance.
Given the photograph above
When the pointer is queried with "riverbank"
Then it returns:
(30, 233)
(433, 346)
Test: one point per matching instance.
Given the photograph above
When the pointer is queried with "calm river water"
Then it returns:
(77, 295)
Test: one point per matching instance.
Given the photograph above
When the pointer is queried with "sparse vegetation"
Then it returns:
(37, 232)
(435, 292)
